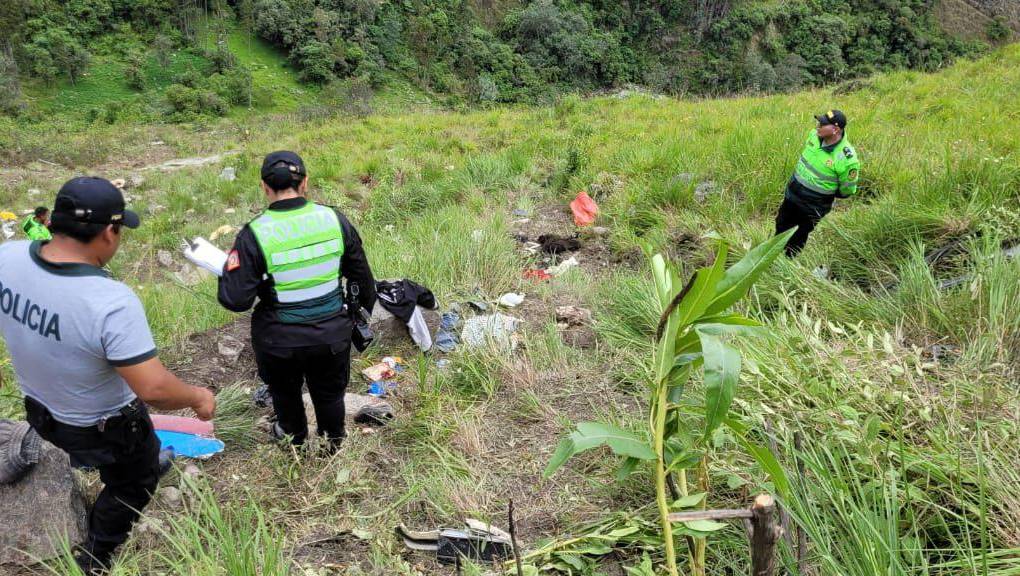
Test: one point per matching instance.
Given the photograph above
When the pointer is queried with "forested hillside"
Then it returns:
(181, 56)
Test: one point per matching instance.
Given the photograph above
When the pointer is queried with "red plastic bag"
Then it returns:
(584, 208)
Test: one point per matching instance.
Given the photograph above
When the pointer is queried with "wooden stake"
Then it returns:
(784, 516)
(802, 562)
(764, 534)
(513, 539)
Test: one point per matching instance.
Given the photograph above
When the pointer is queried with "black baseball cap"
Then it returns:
(832, 117)
(93, 201)
(283, 169)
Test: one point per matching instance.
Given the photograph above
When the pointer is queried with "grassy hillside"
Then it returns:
(910, 449)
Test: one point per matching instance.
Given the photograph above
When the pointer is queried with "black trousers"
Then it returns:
(325, 369)
(126, 453)
(792, 214)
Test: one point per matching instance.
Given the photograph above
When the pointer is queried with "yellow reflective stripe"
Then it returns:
(300, 295)
(306, 253)
(818, 174)
(331, 266)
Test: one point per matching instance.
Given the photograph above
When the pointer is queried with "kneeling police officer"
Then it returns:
(85, 358)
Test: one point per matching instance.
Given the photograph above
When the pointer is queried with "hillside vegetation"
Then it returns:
(902, 386)
(180, 60)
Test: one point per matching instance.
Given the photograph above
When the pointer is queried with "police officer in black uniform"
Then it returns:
(291, 258)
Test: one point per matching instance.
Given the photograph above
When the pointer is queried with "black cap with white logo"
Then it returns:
(282, 170)
(832, 117)
(93, 201)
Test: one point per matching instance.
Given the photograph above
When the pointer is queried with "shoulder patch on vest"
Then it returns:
(848, 152)
(853, 174)
(233, 261)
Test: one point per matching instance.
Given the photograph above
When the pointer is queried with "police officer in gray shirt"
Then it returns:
(85, 358)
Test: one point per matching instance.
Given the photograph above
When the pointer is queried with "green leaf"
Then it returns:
(705, 525)
(765, 458)
(622, 532)
(742, 275)
(722, 373)
(563, 452)
(702, 289)
(689, 501)
(572, 560)
(626, 469)
(593, 434)
(619, 441)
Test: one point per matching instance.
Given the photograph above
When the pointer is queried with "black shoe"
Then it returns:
(166, 461)
(91, 564)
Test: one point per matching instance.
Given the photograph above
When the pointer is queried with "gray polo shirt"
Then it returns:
(67, 327)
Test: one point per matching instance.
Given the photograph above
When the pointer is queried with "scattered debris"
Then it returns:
(821, 272)
(228, 174)
(261, 396)
(374, 414)
(511, 299)
(381, 388)
(605, 185)
(229, 211)
(584, 208)
(120, 183)
(446, 337)
(521, 213)
(562, 267)
(477, 541)
(229, 347)
(553, 244)
(443, 363)
(953, 282)
(221, 231)
(573, 315)
(479, 305)
(537, 275)
(600, 231)
(378, 372)
(496, 330)
(942, 352)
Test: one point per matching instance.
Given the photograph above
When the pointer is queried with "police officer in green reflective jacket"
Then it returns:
(36, 226)
(828, 168)
(292, 258)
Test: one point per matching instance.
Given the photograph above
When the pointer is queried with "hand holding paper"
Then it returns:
(205, 255)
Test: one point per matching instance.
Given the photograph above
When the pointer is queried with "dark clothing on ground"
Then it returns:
(239, 287)
(792, 213)
(326, 369)
(126, 453)
(400, 297)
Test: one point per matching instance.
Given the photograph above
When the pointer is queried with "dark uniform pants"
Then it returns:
(325, 369)
(793, 214)
(126, 453)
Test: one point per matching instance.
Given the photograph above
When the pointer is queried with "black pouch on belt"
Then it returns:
(130, 429)
(38, 417)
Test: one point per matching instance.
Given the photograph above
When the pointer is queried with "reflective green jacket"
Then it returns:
(36, 231)
(832, 172)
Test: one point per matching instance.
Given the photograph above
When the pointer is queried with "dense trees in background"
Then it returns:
(482, 50)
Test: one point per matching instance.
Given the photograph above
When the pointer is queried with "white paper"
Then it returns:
(204, 255)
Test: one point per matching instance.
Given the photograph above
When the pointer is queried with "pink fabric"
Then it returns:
(584, 208)
(182, 424)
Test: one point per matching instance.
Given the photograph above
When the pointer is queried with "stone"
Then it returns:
(229, 347)
(135, 180)
(48, 500)
(228, 174)
(192, 471)
(34, 192)
(170, 496)
(165, 259)
(704, 190)
(600, 231)
(391, 332)
(573, 315)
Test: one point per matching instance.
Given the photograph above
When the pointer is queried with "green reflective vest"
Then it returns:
(302, 249)
(36, 231)
(828, 173)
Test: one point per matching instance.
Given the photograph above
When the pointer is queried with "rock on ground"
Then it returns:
(391, 332)
(48, 500)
